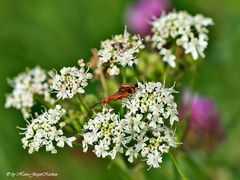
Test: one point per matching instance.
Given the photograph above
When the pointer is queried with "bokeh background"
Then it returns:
(56, 33)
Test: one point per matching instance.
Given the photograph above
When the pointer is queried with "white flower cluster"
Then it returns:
(121, 50)
(150, 110)
(105, 132)
(70, 81)
(44, 130)
(182, 29)
(25, 86)
(154, 100)
(142, 132)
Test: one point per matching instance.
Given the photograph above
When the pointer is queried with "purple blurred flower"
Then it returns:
(204, 129)
(139, 16)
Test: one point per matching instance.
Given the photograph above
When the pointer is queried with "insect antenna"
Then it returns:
(96, 104)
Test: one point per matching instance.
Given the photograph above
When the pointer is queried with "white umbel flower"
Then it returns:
(155, 101)
(120, 51)
(105, 133)
(44, 130)
(182, 29)
(145, 127)
(70, 81)
(144, 132)
(149, 143)
(25, 86)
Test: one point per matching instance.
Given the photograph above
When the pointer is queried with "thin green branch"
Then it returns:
(84, 105)
(103, 82)
(178, 167)
(124, 79)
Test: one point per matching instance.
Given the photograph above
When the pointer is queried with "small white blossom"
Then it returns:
(44, 130)
(113, 70)
(182, 29)
(25, 86)
(101, 149)
(134, 123)
(120, 51)
(168, 57)
(154, 159)
(132, 153)
(70, 81)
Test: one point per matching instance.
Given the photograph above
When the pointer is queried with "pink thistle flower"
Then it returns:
(140, 15)
(204, 130)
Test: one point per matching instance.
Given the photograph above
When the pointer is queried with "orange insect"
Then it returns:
(124, 91)
(116, 96)
(128, 87)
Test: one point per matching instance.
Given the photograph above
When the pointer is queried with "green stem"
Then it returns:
(137, 173)
(178, 167)
(77, 144)
(165, 74)
(193, 75)
(103, 82)
(121, 165)
(124, 75)
(84, 105)
(185, 125)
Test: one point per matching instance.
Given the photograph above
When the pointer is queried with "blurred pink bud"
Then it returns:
(139, 16)
(204, 128)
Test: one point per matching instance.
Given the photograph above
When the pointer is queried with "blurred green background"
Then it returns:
(56, 33)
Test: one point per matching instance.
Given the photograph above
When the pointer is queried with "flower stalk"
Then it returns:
(83, 105)
(177, 166)
(124, 78)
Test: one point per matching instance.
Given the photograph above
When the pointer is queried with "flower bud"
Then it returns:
(204, 129)
(139, 16)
